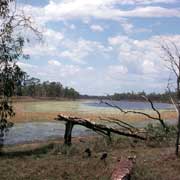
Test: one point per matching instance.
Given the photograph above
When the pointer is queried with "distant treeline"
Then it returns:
(34, 88)
(160, 97)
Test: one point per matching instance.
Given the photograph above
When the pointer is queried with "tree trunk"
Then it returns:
(68, 133)
(1, 142)
(178, 134)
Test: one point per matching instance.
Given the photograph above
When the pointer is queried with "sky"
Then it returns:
(100, 47)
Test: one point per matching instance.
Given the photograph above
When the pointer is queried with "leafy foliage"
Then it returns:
(158, 136)
(11, 50)
(34, 88)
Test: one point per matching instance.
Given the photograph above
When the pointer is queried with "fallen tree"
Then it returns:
(70, 121)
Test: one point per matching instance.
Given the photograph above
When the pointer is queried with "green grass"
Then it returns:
(48, 109)
(66, 106)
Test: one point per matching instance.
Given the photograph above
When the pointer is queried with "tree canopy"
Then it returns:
(34, 88)
(12, 41)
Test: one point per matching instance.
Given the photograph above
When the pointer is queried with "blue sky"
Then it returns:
(102, 46)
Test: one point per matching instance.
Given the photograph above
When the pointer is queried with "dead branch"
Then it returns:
(139, 112)
(99, 128)
(120, 123)
(173, 57)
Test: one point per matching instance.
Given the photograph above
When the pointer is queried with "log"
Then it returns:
(99, 128)
(123, 170)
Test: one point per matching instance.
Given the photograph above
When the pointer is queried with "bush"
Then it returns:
(159, 136)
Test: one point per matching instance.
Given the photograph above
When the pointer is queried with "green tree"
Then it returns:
(11, 50)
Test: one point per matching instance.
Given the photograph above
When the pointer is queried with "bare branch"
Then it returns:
(118, 123)
(138, 112)
(98, 127)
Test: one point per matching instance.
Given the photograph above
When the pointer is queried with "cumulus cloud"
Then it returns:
(133, 64)
(145, 2)
(96, 28)
(79, 50)
(139, 65)
(56, 44)
(54, 63)
(52, 39)
(142, 57)
(100, 9)
(117, 71)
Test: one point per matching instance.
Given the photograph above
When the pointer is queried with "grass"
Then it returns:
(48, 110)
(53, 160)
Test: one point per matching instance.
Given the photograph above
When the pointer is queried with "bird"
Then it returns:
(88, 151)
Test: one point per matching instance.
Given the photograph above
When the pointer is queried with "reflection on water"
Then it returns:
(40, 131)
(28, 132)
(130, 105)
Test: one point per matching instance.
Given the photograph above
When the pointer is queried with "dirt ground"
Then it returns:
(52, 160)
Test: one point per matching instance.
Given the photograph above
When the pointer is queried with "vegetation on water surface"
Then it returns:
(38, 110)
(75, 165)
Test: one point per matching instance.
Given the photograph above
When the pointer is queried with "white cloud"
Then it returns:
(90, 68)
(41, 49)
(128, 27)
(139, 67)
(54, 70)
(145, 2)
(72, 26)
(56, 44)
(135, 64)
(148, 67)
(51, 40)
(151, 11)
(117, 71)
(79, 50)
(51, 35)
(26, 66)
(96, 28)
(100, 9)
(142, 57)
(54, 62)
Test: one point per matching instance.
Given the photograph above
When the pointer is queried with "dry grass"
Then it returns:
(51, 160)
(32, 111)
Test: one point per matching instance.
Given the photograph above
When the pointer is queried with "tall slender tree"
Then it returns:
(172, 57)
(11, 51)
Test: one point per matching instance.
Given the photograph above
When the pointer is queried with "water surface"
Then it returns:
(41, 131)
(130, 105)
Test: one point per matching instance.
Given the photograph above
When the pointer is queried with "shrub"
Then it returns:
(157, 135)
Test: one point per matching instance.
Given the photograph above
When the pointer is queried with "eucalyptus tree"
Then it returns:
(12, 25)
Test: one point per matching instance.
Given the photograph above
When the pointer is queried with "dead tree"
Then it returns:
(121, 128)
(105, 130)
(172, 57)
(157, 118)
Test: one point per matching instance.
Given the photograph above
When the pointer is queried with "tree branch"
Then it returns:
(139, 112)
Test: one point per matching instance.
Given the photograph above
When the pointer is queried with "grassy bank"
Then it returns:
(52, 160)
(47, 110)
